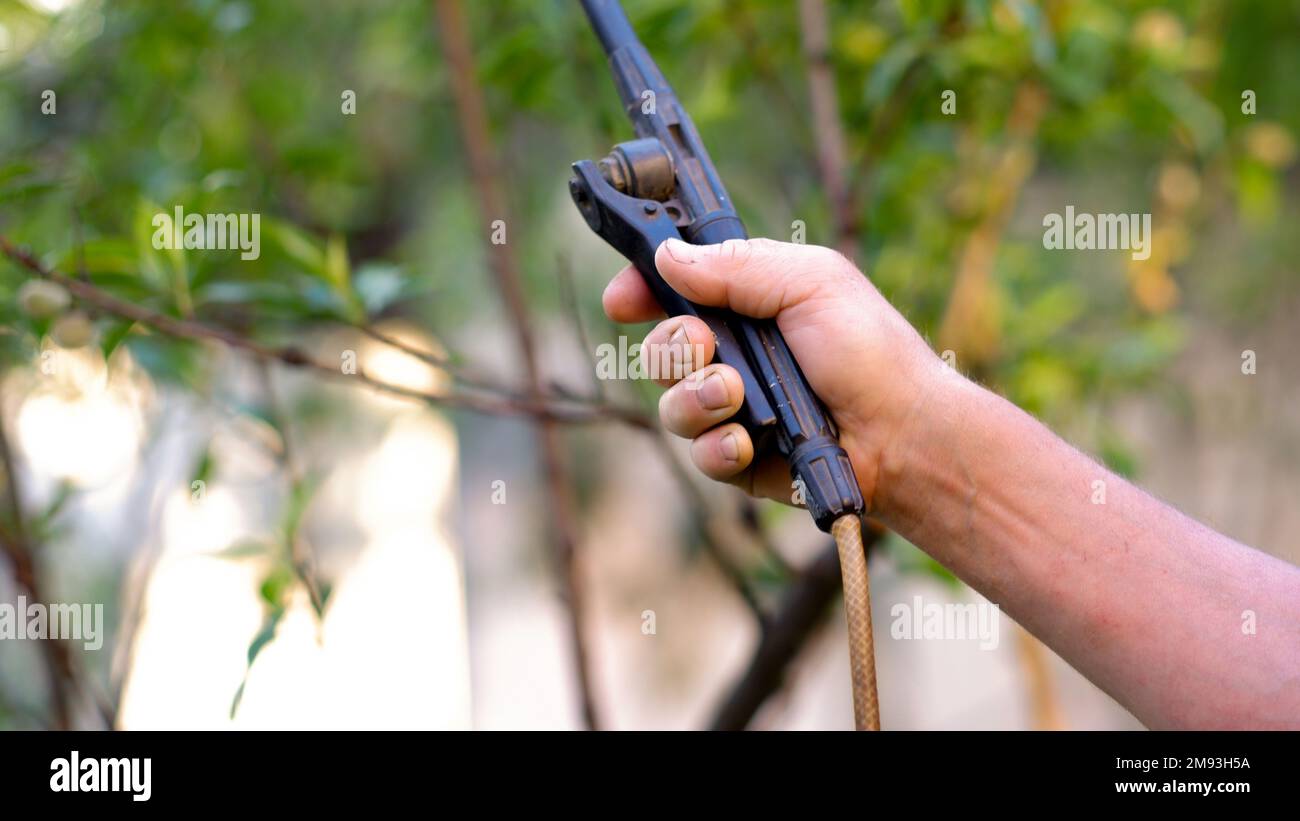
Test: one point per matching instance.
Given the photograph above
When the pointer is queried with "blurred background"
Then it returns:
(371, 478)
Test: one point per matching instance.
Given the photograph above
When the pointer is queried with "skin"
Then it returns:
(1146, 602)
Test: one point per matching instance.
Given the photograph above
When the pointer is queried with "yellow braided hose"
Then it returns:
(847, 531)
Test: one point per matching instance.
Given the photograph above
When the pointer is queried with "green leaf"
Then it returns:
(890, 70)
(337, 271)
(275, 587)
(1202, 120)
(27, 188)
(112, 337)
(65, 491)
(150, 261)
(300, 495)
(1040, 34)
(240, 550)
(203, 468)
(325, 589)
(296, 245)
(45, 523)
(110, 255)
(379, 284)
(264, 636)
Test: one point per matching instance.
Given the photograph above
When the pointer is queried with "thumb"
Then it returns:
(754, 277)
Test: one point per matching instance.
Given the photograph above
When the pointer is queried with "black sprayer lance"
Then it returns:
(663, 185)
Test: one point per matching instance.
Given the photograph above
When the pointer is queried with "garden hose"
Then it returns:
(847, 531)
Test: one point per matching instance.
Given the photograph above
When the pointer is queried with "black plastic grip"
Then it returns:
(779, 403)
(805, 434)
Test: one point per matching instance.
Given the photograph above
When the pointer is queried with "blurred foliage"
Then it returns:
(236, 106)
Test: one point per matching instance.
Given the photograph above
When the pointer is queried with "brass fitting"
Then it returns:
(640, 168)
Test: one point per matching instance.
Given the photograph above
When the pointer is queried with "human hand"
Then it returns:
(866, 363)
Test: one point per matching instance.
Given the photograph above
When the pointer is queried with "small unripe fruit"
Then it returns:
(73, 330)
(40, 299)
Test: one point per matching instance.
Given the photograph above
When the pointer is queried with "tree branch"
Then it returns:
(18, 548)
(827, 129)
(301, 557)
(440, 361)
(477, 139)
(714, 533)
(571, 412)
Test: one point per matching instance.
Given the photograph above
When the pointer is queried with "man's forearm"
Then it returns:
(1182, 625)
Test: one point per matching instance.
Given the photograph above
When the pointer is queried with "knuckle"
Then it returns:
(830, 261)
(736, 252)
(827, 271)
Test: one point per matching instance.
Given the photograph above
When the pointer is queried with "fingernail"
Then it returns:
(679, 336)
(680, 251)
(730, 447)
(713, 393)
(679, 351)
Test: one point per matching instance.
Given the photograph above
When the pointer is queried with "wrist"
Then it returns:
(916, 461)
